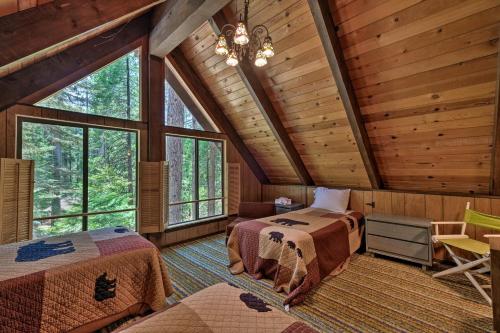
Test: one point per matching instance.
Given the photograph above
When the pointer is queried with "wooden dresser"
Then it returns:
(402, 237)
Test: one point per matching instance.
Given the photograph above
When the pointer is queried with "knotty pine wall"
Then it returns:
(435, 206)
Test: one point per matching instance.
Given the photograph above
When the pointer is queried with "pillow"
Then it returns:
(333, 200)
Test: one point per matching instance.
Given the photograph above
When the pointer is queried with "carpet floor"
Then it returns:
(372, 295)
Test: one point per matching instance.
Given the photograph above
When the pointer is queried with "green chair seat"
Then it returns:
(468, 244)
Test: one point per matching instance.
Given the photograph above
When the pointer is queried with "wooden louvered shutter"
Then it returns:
(16, 200)
(153, 197)
(234, 190)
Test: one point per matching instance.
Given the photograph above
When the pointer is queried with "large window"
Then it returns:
(196, 186)
(85, 177)
(112, 91)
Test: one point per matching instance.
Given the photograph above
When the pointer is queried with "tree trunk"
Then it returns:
(175, 117)
(129, 138)
(211, 161)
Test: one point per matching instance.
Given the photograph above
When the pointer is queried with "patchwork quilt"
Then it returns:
(219, 308)
(79, 281)
(296, 250)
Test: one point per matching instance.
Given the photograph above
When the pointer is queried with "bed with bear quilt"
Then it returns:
(221, 308)
(296, 250)
(79, 282)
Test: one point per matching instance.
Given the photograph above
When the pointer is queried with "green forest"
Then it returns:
(59, 153)
(62, 153)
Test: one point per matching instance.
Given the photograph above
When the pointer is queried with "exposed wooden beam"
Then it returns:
(48, 76)
(193, 82)
(495, 152)
(198, 114)
(266, 107)
(156, 108)
(46, 27)
(175, 20)
(324, 23)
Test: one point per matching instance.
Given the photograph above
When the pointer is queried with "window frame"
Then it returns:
(85, 163)
(197, 201)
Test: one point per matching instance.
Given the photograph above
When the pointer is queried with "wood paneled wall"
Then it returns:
(424, 74)
(434, 206)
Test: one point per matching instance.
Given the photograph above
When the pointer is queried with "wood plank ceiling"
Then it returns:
(300, 85)
(424, 74)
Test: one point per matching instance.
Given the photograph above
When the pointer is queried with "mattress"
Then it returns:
(79, 282)
(296, 250)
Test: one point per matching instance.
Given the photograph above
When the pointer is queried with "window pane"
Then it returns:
(112, 170)
(182, 185)
(124, 219)
(112, 91)
(62, 226)
(181, 213)
(58, 154)
(179, 115)
(210, 208)
(209, 169)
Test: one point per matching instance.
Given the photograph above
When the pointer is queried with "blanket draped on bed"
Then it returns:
(79, 281)
(296, 249)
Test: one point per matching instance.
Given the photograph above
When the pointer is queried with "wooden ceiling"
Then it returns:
(424, 74)
(300, 85)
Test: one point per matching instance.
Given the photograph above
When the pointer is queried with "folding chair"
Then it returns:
(480, 250)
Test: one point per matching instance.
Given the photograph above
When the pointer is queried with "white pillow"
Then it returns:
(333, 200)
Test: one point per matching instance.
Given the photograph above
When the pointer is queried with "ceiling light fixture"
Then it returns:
(235, 42)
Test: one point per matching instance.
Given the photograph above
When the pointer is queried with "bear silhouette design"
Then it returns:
(41, 250)
(104, 288)
(255, 303)
(121, 230)
(288, 222)
(276, 236)
(291, 245)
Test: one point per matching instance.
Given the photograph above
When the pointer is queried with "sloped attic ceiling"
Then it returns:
(299, 82)
(424, 74)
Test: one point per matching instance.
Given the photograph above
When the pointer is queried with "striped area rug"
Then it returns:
(372, 295)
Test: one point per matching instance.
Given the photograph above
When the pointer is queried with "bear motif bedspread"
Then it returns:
(79, 281)
(220, 308)
(296, 250)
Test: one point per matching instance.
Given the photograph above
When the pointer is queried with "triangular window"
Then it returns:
(111, 91)
(180, 110)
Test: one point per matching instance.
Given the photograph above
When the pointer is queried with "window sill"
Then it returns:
(190, 224)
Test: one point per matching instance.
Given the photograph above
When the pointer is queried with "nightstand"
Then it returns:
(402, 237)
(282, 209)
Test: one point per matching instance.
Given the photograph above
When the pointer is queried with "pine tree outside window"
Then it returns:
(111, 91)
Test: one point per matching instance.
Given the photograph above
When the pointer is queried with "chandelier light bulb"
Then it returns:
(221, 46)
(267, 47)
(241, 35)
(260, 58)
(232, 59)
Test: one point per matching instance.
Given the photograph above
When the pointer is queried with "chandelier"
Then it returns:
(235, 43)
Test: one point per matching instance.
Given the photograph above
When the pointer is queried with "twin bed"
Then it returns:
(296, 250)
(82, 282)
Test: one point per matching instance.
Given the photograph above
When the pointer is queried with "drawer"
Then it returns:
(396, 246)
(398, 231)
